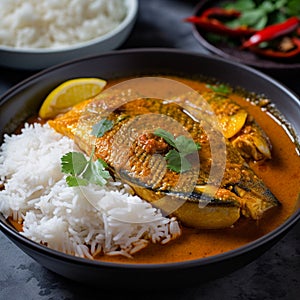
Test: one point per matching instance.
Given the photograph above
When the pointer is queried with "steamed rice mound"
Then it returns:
(83, 221)
(57, 23)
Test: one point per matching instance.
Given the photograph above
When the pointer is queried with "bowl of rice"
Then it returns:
(37, 34)
(71, 229)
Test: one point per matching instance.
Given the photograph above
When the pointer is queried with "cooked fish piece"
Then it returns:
(214, 193)
(237, 125)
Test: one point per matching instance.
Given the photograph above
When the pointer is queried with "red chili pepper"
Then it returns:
(276, 53)
(208, 21)
(271, 32)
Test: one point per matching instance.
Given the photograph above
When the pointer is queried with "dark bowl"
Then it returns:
(276, 68)
(25, 98)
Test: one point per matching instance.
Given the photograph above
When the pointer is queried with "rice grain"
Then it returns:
(83, 221)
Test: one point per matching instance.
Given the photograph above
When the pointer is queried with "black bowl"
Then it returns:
(25, 98)
(279, 69)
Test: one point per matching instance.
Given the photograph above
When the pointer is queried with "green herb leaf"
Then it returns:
(73, 181)
(73, 163)
(279, 4)
(261, 13)
(96, 173)
(233, 24)
(185, 164)
(177, 162)
(176, 158)
(293, 8)
(82, 171)
(240, 5)
(220, 88)
(185, 145)
(101, 127)
(173, 160)
(254, 18)
(167, 136)
(267, 6)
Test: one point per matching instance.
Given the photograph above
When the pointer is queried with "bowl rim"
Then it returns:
(278, 231)
(132, 10)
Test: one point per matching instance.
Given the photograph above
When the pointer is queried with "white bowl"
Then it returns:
(39, 58)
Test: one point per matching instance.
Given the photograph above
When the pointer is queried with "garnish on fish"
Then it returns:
(192, 196)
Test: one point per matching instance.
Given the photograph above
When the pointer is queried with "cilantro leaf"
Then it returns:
(167, 136)
(76, 181)
(96, 173)
(101, 127)
(183, 146)
(185, 164)
(173, 160)
(220, 88)
(82, 171)
(177, 162)
(73, 163)
(261, 23)
(256, 18)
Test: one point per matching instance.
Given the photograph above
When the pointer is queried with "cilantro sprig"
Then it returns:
(82, 171)
(176, 158)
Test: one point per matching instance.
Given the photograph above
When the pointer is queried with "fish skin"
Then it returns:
(240, 191)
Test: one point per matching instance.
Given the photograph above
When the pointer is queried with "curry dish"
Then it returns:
(260, 184)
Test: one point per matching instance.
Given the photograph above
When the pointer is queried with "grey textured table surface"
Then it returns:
(274, 275)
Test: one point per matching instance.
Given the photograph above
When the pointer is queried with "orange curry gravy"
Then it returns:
(281, 174)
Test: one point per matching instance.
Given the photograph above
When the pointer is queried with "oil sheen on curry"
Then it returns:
(241, 181)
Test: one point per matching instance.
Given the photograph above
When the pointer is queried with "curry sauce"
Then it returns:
(281, 175)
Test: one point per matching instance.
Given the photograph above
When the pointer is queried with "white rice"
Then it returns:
(57, 23)
(83, 221)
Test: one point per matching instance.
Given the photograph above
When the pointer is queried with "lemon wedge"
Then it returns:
(68, 94)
